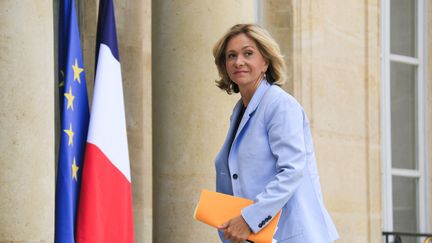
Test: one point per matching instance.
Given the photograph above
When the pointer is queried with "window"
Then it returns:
(404, 116)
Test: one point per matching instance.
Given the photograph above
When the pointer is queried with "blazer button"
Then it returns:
(235, 176)
(260, 225)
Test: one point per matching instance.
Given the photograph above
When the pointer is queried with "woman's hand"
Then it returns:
(236, 230)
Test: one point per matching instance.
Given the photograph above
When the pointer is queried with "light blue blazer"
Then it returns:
(272, 162)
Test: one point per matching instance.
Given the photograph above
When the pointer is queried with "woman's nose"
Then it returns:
(239, 61)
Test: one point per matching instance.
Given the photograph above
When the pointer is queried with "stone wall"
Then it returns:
(336, 78)
(27, 147)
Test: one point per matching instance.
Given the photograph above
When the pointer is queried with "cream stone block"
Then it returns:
(190, 114)
(87, 20)
(180, 205)
(338, 95)
(373, 87)
(350, 185)
(27, 148)
(342, 168)
(356, 231)
(373, 132)
(336, 75)
(278, 20)
(338, 103)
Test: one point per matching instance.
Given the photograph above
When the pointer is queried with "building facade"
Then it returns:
(361, 70)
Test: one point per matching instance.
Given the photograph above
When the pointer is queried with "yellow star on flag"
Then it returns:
(70, 98)
(75, 169)
(70, 134)
(77, 71)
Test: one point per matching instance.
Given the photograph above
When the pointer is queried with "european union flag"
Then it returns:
(74, 123)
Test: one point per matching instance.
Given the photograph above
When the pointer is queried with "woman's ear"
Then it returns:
(266, 65)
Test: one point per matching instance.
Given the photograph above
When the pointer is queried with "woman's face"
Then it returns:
(244, 62)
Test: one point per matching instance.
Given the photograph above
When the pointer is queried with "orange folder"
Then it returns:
(216, 208)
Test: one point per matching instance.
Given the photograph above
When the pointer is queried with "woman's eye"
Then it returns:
(249, 53)
(230, 56)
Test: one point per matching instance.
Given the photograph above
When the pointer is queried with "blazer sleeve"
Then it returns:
(284, 120)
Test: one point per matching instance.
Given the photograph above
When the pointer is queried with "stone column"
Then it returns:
(27, 147)
(190, 114)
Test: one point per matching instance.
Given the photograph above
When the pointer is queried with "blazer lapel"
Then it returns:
(228, 139)
(253, 105)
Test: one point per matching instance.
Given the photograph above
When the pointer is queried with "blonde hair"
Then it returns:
(267, 46)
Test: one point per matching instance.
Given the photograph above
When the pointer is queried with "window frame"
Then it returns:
(421, 97)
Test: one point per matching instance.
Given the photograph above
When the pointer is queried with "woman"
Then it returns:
(268, 153)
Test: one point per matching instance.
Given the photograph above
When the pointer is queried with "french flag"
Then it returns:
(105, 206)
